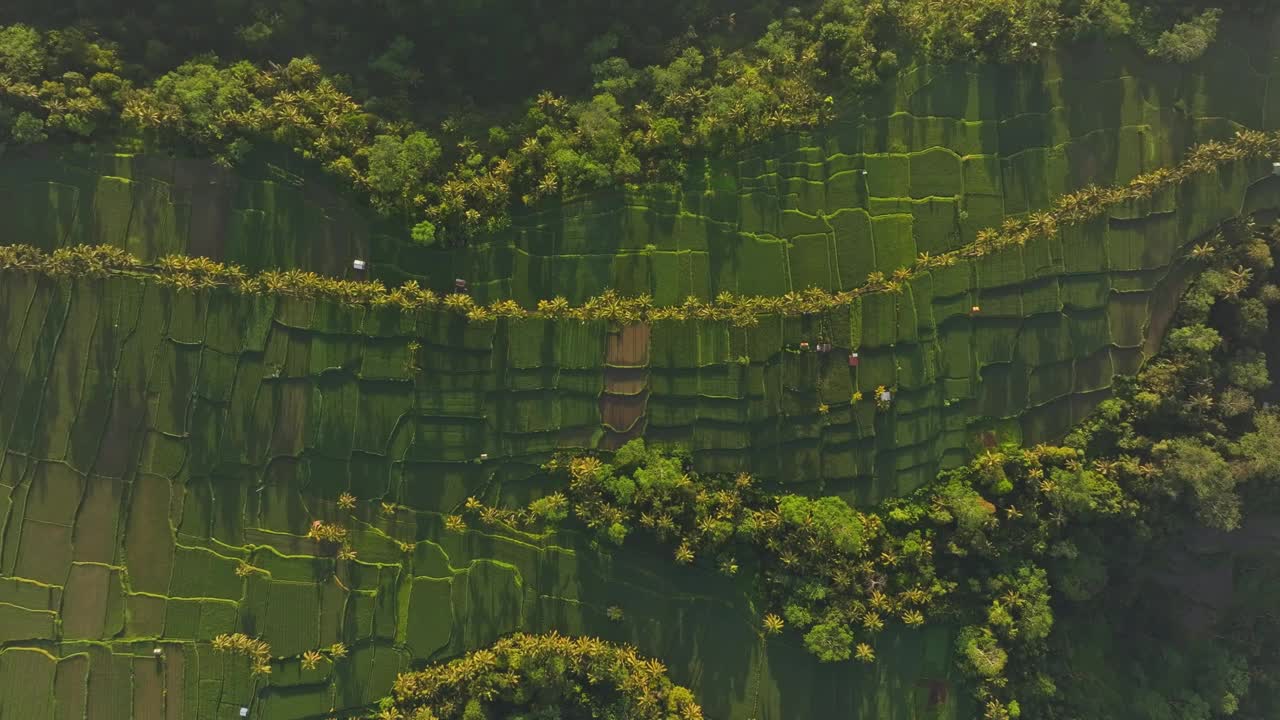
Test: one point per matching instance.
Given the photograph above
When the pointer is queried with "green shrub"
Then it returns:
(1187, 41)
(830, 641)
(424, 233)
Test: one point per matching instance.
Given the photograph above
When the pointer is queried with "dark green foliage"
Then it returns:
(27, 129)
(637, 119)
(398, 166)
(981, 651)
(1190, 466)
(1188, 40)
(22, 54)
(827, 520)
(1002, 541)
(1193, 449)
(552, 508)
(1108, 18)
(59, 82)
(831, 641)
(1252, 313)
(424, 233)
(1248, 370)
(1258, 448)
(1196, 339)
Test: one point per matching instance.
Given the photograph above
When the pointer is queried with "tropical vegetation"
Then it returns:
(625, 124)
(195, 273)
(523, 677)
(996, 545)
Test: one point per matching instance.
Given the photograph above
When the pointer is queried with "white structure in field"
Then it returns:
(358, 264)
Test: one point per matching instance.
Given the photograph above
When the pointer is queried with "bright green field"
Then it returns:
(152, 440)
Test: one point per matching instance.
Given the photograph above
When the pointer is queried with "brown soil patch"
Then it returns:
(626, 385)
(938, 690)
(628, 347)
(625, 381)
(622, 412)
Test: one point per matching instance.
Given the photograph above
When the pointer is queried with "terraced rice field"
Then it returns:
(154, 441)
(157, 440)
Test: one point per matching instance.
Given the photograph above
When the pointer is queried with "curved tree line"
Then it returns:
(196, 273)
(1000, 545)
(634, 124)
(525, 676)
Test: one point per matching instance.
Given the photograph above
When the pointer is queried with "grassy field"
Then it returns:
(154, 441)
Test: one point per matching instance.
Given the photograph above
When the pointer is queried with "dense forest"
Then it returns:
(592, 98)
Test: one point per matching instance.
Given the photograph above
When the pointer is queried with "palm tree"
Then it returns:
(310, 659)
(864, 653)
(684, 555)
(773, 624)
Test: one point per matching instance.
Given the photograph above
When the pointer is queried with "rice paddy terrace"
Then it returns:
(157, 441)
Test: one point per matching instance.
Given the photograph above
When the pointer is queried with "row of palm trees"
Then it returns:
(197, 273)
(257, 650)
(525, 673)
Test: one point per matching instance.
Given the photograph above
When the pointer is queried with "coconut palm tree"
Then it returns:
(773, 624)
(864, 653)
